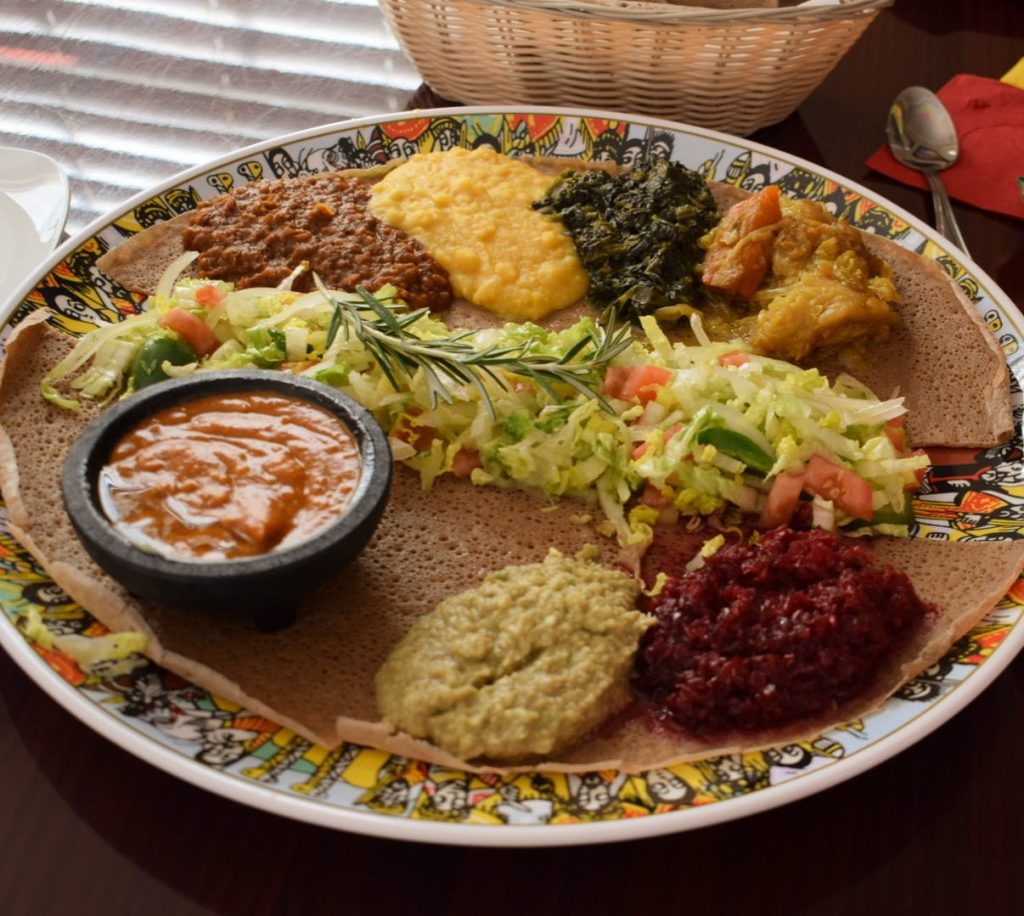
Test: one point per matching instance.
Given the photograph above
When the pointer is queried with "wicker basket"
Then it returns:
(732, 70)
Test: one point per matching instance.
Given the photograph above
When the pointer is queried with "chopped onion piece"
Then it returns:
(823, 513)
(727, 464)
(295, 339)
(173, 371)
(165, 288)
(286, 283)
(698, 330)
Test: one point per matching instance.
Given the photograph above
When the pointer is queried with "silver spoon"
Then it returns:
(922, 136)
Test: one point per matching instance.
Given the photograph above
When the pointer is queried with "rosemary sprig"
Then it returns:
(400, 353)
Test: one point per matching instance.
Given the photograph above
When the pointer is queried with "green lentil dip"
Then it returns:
(524, 664)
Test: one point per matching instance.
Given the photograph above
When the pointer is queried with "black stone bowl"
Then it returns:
(268, 587)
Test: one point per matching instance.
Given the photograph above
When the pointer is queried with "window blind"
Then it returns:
(125, 93)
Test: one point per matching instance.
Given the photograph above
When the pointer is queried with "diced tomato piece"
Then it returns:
(737, 260)
(920, 473)
(208, 295)
(647, 393)
(640, 450)
(896, 430)
(758, 210)
(614, 381)
(643, 383)
(629, 383)
(466, 460)
(783, 498)
(192, 329)
(734, 358)
(846, 488)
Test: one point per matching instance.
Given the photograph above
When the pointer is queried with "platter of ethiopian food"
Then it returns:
(705, 477)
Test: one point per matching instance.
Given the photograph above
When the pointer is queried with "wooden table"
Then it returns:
(86, 828)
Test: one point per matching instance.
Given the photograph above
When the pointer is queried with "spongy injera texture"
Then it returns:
(139, 262)
(317, 677)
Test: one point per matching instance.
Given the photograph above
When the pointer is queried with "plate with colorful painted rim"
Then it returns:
(204, 740)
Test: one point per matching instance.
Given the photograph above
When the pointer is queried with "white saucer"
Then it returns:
(33, 209)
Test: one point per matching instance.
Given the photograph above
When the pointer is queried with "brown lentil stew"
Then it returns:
(768, 636)
(258, 234)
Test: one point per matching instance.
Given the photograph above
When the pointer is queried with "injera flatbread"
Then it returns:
(317, 676)
(138, 262)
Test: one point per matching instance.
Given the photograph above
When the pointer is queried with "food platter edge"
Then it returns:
(929, 234)
(235, 788)
(250, 792)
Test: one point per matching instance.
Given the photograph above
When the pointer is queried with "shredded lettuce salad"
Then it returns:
(711, 436)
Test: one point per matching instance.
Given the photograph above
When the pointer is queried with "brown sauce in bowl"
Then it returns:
(228, 476)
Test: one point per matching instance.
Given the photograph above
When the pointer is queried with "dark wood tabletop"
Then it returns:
(87, 828)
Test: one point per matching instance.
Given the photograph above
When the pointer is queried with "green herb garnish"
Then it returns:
(384, 330)
(637, 233)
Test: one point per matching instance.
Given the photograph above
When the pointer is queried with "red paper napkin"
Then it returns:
(989, 118)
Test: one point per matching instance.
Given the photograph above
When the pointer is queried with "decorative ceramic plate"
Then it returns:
(204, 740)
